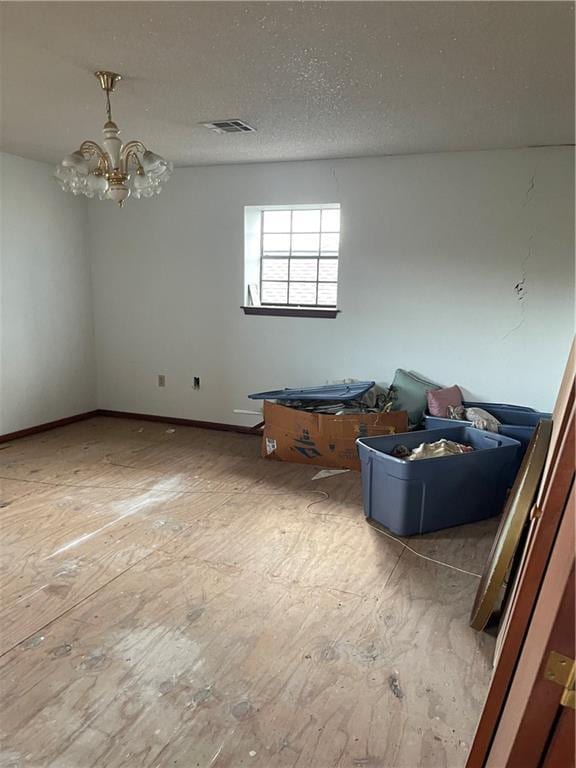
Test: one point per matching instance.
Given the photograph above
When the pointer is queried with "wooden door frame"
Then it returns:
(533, 702)
(547, 514)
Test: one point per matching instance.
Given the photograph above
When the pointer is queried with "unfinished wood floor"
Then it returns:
(170, 599)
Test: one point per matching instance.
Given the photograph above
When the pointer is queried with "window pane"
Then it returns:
(275, 269)
(331, 220)
(274, 293)
(276, 244)
(329, 244)
(303, 269)
(305, 245)
(276, 221)
(306, 221)
(327, 294)
(302, 293)
(328, 269)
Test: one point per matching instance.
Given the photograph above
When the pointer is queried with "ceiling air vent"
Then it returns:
(229, 126)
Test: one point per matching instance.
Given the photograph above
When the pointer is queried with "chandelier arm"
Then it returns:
(133, 155)
(134, 146)
(131, 148)
(91, 148)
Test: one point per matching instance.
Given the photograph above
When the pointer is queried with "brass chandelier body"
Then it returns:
(113, 170)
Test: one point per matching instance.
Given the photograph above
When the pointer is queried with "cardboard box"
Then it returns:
(321, 439)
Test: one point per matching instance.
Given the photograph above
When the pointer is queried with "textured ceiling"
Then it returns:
(332, 79)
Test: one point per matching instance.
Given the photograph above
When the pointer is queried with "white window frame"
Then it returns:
(254, 257)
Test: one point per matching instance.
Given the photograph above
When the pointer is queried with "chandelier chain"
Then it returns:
(108, 106)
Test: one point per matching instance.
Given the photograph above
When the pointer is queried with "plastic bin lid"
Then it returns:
(323, 392)
(505, 406)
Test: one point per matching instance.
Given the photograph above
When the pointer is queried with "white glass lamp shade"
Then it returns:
(163, 176)
(76, 161)
(70, 180)
(62, 176)
(157, 171)
(151, 162)
(97, 185)
(140, 185)
(155, 166)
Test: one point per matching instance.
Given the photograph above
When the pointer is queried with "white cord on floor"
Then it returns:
(419, 554)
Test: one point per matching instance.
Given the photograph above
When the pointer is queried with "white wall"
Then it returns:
(46, 331)
(432, 247)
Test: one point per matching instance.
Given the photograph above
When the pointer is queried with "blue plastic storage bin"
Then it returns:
(411, 497)
(516, 421)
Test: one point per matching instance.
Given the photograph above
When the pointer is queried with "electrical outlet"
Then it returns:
(161, 380)
(196, 383)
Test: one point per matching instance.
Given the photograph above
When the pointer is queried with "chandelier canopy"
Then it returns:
(114, 170)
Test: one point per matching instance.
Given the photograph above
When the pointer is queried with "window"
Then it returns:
(299, 257)
(292, 256)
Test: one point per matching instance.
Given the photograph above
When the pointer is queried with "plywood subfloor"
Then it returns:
(171, 599)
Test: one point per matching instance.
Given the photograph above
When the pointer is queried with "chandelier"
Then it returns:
(114, 170)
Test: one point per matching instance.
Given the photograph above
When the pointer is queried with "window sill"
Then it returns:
(328, 312)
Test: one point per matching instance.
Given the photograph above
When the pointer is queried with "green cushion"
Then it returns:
(409, 393)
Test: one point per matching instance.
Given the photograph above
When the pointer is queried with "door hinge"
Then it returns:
(560, 670)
